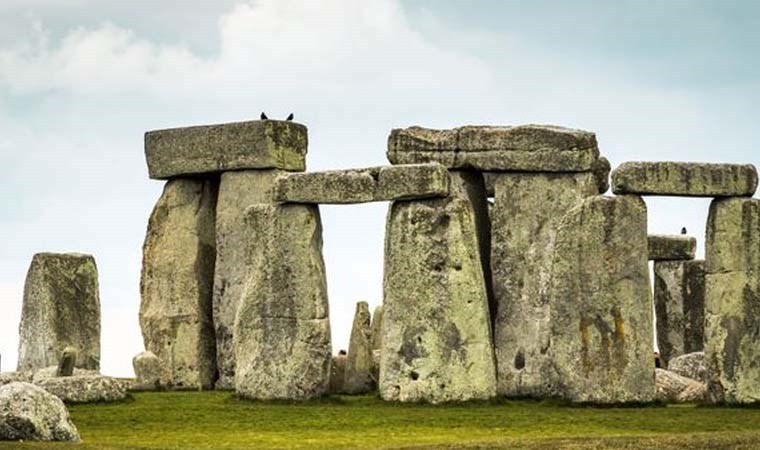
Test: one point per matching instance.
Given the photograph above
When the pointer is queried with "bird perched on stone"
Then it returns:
(290, 117)
(683, 230)
(263, 116)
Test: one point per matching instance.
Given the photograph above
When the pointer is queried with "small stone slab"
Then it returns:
(531, 148)
(373, 184)
(685, 179)
(663, 247)
(259, 144)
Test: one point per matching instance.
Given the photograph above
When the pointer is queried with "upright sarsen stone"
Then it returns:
(732, 300)
(176, 285)
(663, 247)
(61, 309)
(600, 302)
(358, 376)
(282, 328)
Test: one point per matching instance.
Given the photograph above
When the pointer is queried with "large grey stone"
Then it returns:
(147, 369)
(532, 148)
(260, 144)
(374, 184)
(358, 377)
(672, 387)
(29, 413)
(687, 179)
(282, 328)
(436, 344)
(601, 171)
(690, 365)
(732, 300)
(601, 304)
(679, 301)
(177, 281)
(61, 308)
(377, 328)
(528, 208)
(87, 388)
(664, 247)
(236, 244)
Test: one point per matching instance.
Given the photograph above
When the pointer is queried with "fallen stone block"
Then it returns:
(671, 247)
(377, 328)
(690, 365)
(528, 148)
(672, 387)
(29, 413)
(259, 144)
(358, 377)
(61, 308)
(12, 377)
(85, 388)
(41, 375)
(686, 179)
(147, 369)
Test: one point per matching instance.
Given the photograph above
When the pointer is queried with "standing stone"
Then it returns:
(67, 362)
(527, 211)
(177, 281)
(436, 344)
(601, 304)
(338, 373)
(147, 369)
(282, 328)
(377, 328)
(732, 300)
(663, 247)
(679, 302)
(29, 413)
(359, 363)
(235, 245)
(61, 308)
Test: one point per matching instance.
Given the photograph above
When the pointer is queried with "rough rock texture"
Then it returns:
(52, 372)
(690, 365)
(147, 369)
(374, 184)
(732, 300)
(260, 144)
(679, 302)
(436, 344)
(177, 281)
(85, 388)
(664, 247)
(66, 364)
(236, 244)
(61, 308)
(29, 413)
(282, 328)
(527, 210)
(358, 378)
(601, 304)
(377, 328)
(601, 172)
(12, 377)
(685, 179)
(338, 373)
(533, 148)
(672, 387)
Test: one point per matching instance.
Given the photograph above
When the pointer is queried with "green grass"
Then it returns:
(217, 420)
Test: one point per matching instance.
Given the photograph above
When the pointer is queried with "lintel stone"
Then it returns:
(685, 179)
(671, 247)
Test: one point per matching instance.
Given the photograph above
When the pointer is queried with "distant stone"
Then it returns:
(338, 373)
(177, 281)
(29, 413)
(600, 346)
(377, 328)
(529, 148)
(686, 179)
(260, 144)
(671, 247)
(61, 308)
(358, 378)
(690, 365)
(85, 388)
(374, 184)
(672, 387)
(66, 364)
(147, 369)
(601, 171)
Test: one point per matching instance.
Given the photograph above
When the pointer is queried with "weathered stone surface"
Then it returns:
(665, 247)
(12, 377)
(679, 301)
(87, 388)
(374, 184)
(672, 387)
(236, 244)
(177, 281)
(260, 144)
(358, 378)
(436, 345)
(66, 364)
(377, 328)
(282, 328)
(601, 171)
(686, 179)
(29, 413)
(690, 365)
(61, 308)
(528, 208)
(601, 305)
(531, 148)
(147, 369)
(41, 375)
(732, 300)
(338, 373)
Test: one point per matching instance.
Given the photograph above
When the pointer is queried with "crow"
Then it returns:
(290, 117)
(683, 230)
(264, 116)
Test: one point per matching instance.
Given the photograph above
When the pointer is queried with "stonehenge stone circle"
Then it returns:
(600, 304)
(147, 369)
(671, 247)
(358, 376)
(684, 179)
(61, 308)
(67, 361)
(30, 413)
(177, 282)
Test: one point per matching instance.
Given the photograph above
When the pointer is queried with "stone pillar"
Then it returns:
(281, 334)
(436, 345)
(600, 300)
(732, 300)
(177, 281)
(61, 309)
(358, 377)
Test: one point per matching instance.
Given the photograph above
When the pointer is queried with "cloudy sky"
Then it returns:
(82, 80)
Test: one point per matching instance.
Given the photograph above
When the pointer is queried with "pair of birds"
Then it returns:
(264, 117)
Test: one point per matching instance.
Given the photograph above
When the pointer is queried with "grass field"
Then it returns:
(217, 420)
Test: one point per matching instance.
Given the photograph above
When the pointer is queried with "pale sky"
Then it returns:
(82, 80)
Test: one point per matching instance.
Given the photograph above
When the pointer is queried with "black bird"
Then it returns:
(264, 116)
(290, 117)
(683, 230)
